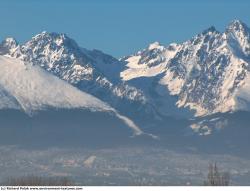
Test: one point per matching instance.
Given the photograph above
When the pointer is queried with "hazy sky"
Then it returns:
(118, 27)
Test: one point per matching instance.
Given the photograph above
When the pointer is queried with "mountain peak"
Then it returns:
(9, 42)
(49, 34)
(154, 45)
(238, 37)
(236, 22)
(59, 38)
(211, 29)
(8, 45)
(54, 40)
(236, 25)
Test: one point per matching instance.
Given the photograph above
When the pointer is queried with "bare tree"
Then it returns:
(216, 178)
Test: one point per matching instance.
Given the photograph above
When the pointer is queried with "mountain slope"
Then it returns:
(90, 71)
(204, 74)
(201, 76)
(29, 88)
(34, 89)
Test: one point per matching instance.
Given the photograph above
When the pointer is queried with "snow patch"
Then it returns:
(88, 163)
(154, 46)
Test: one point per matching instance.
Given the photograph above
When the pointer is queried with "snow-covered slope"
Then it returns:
(29, 88)
(91, 71)
(35, 89)
(205, 74)
(149, 62)
(201, 76)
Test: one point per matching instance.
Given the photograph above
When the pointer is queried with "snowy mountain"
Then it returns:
(27, 87)
(206, 74)
(90, 71)
(145, 118)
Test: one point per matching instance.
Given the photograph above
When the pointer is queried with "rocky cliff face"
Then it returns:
(90, 71)
(207, 74)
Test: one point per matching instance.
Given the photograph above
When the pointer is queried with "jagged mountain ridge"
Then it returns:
(61, 56)
(204, 75)
(30, 89)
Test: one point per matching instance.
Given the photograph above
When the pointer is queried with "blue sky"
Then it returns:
(118, 27)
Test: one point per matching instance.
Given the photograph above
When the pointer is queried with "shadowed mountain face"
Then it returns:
(62, 128)
(78, 128)
(204, 75)
(207, 74)
(181, 93)
(29, 90)
(90, 71)
(153, 118)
